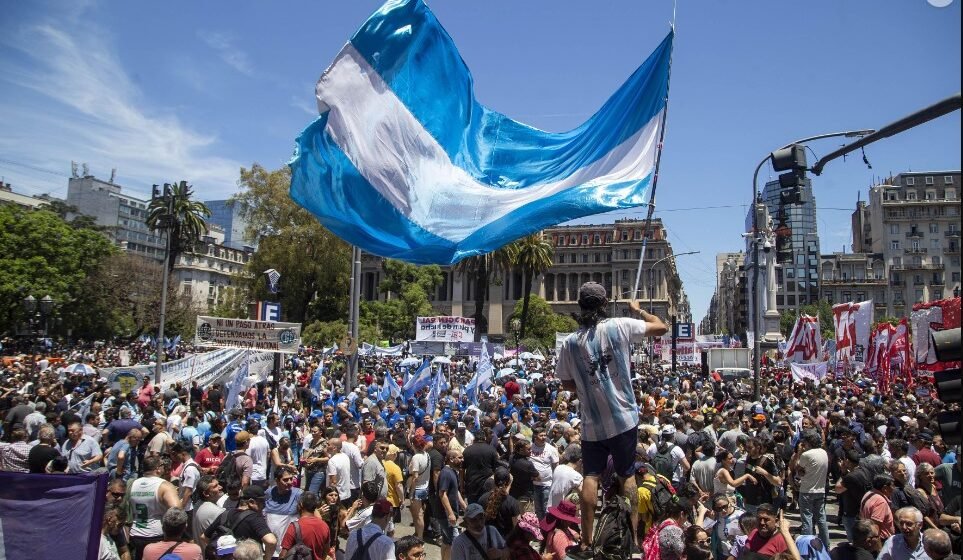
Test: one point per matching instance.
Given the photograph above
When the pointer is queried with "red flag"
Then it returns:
(899, 355)
(928, 318)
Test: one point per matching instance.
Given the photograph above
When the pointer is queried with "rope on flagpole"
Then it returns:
(655, 176)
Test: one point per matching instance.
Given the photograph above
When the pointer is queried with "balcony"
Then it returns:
(851, 281)
(915, 250)
(951, 250)
(952, 234)
(914, 234)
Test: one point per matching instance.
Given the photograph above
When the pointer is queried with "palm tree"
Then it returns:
(533, 254)
(481, 269)
(182, 217)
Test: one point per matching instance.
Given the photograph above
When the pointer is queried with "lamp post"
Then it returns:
(516, 326)
(756, 241)
(651, 269)
(38, 315)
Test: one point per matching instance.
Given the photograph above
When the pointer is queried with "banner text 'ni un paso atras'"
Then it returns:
(403, 161)
(267, 336)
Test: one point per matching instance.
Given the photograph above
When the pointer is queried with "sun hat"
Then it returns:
(226, 545)
(566, 511)
(528, 522)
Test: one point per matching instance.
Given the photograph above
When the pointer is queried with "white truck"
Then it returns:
(728, 364)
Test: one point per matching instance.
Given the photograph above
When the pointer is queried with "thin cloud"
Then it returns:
(100, 115)
(308, 108)
(231, 55)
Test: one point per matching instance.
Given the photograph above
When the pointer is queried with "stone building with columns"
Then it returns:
(605, 253)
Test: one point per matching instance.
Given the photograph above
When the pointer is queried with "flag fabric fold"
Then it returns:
(390, 388)
(419, 380)
(804, 342)
(854, 324)
(405, 163)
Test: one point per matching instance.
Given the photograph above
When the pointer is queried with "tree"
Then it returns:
(410, 284)
(315, 265)
(543, 321)
(482, 269)
(533, 254)
(320, 334)
(182, 217)
(41, 254)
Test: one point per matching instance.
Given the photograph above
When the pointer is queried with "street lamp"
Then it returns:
(516, 326)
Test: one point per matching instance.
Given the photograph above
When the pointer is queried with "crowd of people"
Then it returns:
(525, 470)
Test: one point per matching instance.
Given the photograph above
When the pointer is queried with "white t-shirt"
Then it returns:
(340, 466)
(356, 460)
(259, 451)
(420, 466)
(565, 479)
(190, 474)
(816, 465)
(545, 461)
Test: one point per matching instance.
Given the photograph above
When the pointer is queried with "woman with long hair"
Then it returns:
(696, 541)
(501, 510)
(314, 459)
(723, 482)
(926, 485)
(676, 514)
(419, 471)
(561, 529)
(282, 456)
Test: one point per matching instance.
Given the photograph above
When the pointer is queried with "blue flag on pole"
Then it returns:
(437, 387)
(419, 380)
(482, 379)
(316, 382)
(405, 163)
(390, 389)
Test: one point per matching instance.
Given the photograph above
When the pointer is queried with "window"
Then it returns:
(930, 195)
(929, 180)
(934, 227)
(637, 235)
(955, 276)
(897, 261)
(919, 296)
(585, 258)
(828, 296)
(894, 229)
(947, 179)
(909, 181)
(572, 240)
(937, 293)
(910, 195)
(597, 239)
(949, 194)
(935, 243)
(894, 245)
(598, 257)
(790, 273)
(915, 244)
(780, 300)
(585, 239)
(860, 296)
(625, 235)
(847, 296)
(937, 261)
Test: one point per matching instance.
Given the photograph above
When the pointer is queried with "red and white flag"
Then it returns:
(877, 362)
(899, 355)
(804, 342)
(853, 322)
(928, 318)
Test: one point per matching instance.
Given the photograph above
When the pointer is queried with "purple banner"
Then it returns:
(51, 516)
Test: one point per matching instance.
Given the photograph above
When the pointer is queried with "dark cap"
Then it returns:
(381, 508)
(591, 295)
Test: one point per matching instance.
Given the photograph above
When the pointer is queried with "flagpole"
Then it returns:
(655, 175)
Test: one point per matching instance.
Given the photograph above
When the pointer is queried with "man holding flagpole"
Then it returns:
(594, 362)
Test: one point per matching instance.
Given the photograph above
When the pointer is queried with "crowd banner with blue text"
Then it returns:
(267, 336)
(55, 517)
(405, 163)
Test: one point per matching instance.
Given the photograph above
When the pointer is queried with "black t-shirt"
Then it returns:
(849, 551)
(857, 483)
(253, 526)
(761, 491)
(214, 400)
(197, 394)
(523, 479)
(481, 459)
(505, 515)
(541, 393)
(437, 463)
(39, 456)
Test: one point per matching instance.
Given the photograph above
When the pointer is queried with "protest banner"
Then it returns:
(268, 336)
(444, 329)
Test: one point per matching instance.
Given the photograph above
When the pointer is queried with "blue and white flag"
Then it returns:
(237, 385)
(390, 388)
(83, 407)
(273, 277)
(315, 383)
(419, 380)
(437, 388)
(405, 163)
(482, 379)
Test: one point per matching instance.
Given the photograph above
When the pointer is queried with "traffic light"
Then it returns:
(784, 253)
(793, 160)
(949, 386)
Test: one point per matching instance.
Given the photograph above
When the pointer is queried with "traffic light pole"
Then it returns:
(755, 238)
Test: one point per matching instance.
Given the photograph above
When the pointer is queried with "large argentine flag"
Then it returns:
(405, 163)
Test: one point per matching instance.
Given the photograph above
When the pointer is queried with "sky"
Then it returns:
(197, 90)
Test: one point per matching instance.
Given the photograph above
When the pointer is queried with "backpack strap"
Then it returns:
(297, 533)
(362, 551)
(476, 544)
(240, 518)
(171, 549)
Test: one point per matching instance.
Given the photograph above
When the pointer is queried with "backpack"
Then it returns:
(224, 529)
(170, 554)
(700, 440)
(299, 551)
(227, 474)
(663, 463)
(612, 538)
(361, 553)
(662, 494)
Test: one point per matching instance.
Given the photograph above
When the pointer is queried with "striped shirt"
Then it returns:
(597, 359)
